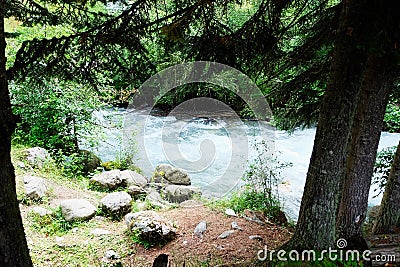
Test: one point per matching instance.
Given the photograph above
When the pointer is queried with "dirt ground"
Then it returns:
(190, 250)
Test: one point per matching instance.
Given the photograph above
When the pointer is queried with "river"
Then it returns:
(215, 152)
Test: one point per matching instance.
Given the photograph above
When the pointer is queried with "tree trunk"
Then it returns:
(364, 142)
(13, 247)
(317, 218)
(389, 212)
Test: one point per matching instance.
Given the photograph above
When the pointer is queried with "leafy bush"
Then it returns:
(392, 118)
(384, 160)
(53, 114)
(260, 191)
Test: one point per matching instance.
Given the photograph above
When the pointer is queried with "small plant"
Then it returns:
(260, 191)
(51, 224)
(137, 238)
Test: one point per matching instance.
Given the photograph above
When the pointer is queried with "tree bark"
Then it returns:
(317, 218)
(13, 247)
(364, 142)
(389, 212)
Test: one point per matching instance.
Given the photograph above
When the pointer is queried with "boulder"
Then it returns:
(117, 203)
(136, 191)
(89, 161)
(107, 180)
(151, 227)
(35, 187)
(116, 178)
(77, 209)
(131, 178)
(166, 173)
(36, 156)
(180, 193)
(155, 200)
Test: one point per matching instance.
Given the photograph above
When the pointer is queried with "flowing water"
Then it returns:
(214, 151)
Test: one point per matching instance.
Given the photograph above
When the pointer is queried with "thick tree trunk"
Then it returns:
(13, 247)
(389, 213)
(364, 142)
(316, 224)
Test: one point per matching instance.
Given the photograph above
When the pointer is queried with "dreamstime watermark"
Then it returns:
(165, 140)
(333, 254)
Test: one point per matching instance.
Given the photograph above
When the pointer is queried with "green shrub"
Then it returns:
(53, 224)
(392, 118)
(383, 163)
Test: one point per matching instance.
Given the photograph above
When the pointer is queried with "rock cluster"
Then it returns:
(168, 185)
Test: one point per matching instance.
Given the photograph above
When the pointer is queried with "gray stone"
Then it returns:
(77, 209)
(165, 173)
(116, 178)
(235, 226)
(108, 179)
(117, 203)
(157, 186)
(36, 156)
(191, 203)
(255, 237)
(180, 193)
(41, 211)
(230, 212)
(132, 178)
(111, 255)
(151, 226)
(135, 191)
(226, 234)
(200, 229)
(99, 232)
(35, 187)
(155, 199)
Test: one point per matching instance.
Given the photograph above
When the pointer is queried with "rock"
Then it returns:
(77, 209)
(59, 240)
(191, 203)
(99, 231)
(111, 255)
(132, 178)
(255, 216)
(89, 161)
(235, 226)
(116, 178)
(180, 193)
(136, 191)
(150, 226)
(156, 186)
(41, 211)
(200, 229)
(36, 156)
(107, 180)
(226, 234)
(165, 173)
(155, 200)
(117, 203)
(99, 218)
(255, 237)
(35, 187)
(230, 212)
